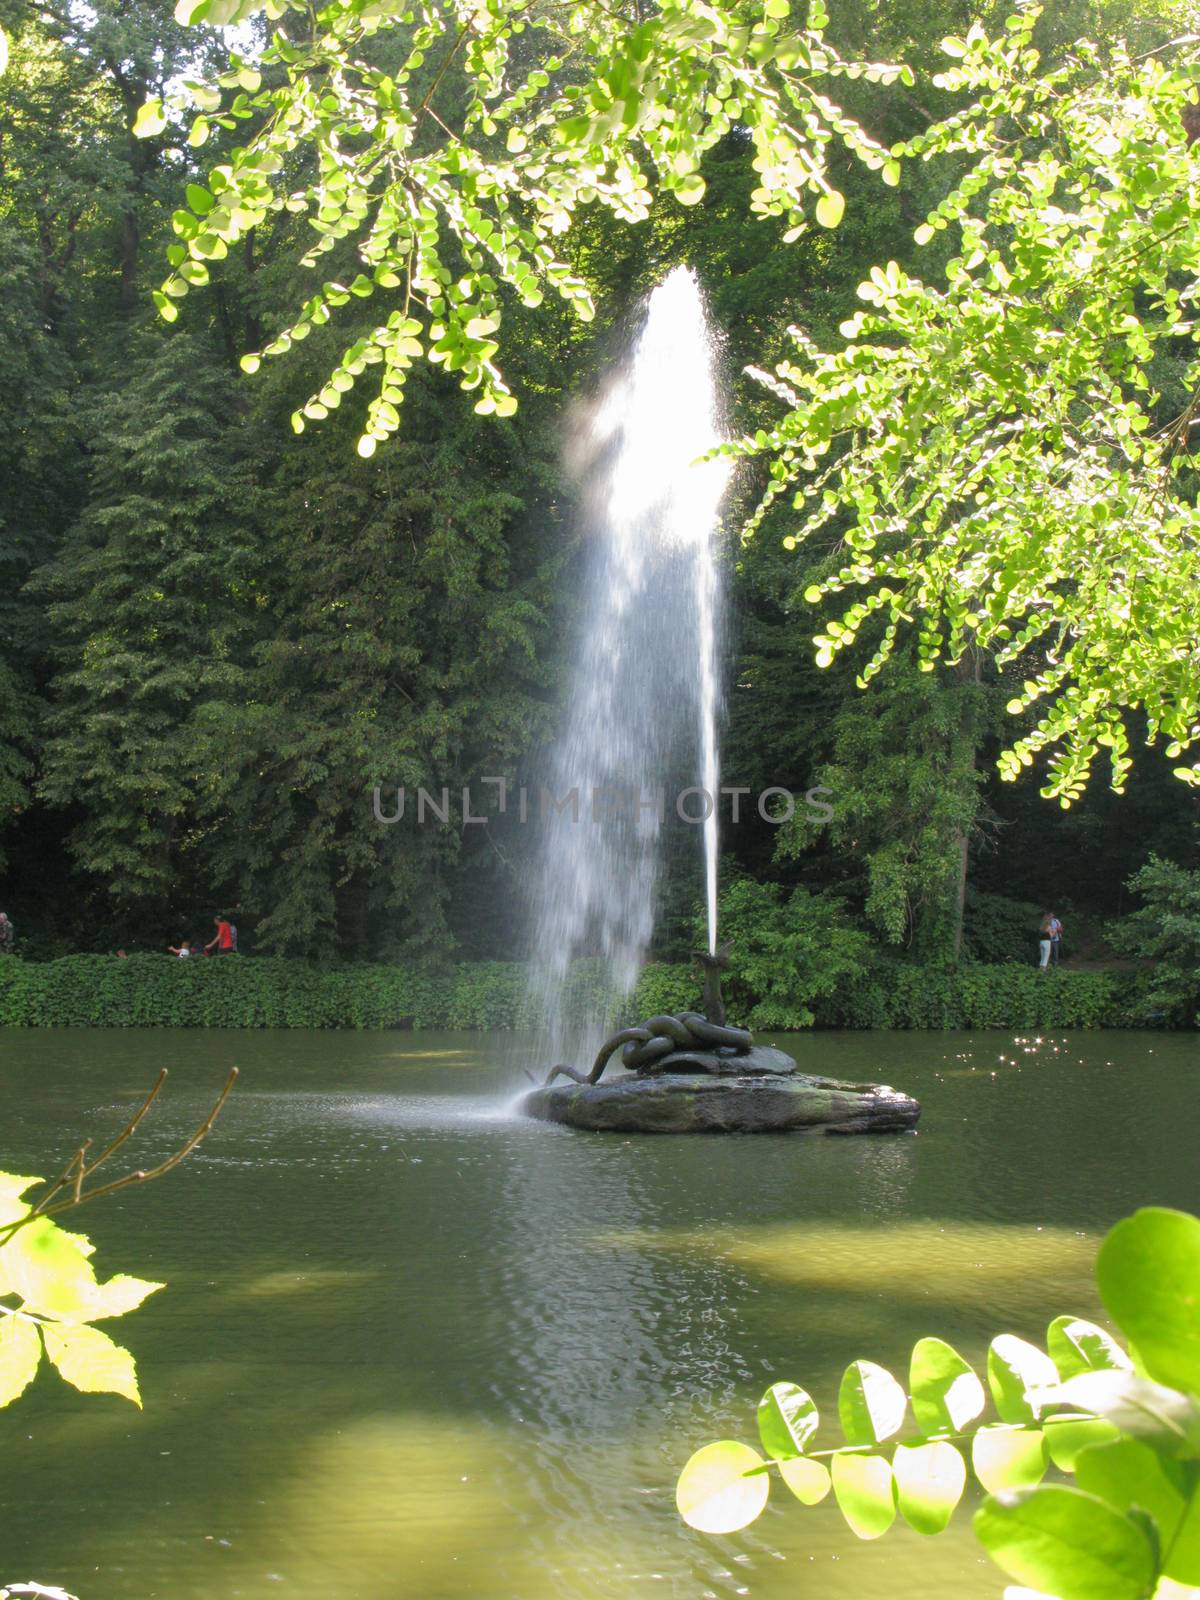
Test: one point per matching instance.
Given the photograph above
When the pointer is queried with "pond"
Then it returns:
(414, 1347)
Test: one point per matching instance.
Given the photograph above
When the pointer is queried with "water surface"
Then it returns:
(412, 1346)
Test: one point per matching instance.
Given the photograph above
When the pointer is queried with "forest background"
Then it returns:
(217, 638)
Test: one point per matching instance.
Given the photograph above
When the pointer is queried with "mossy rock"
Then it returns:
(701, 1103)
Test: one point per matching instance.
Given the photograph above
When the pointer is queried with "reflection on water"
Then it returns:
(952, 1263)
(413, 1346)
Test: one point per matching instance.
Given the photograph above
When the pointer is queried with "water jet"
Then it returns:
(646, 681)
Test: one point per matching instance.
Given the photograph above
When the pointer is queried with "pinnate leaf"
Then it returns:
(1077, 1346)
(787, 1420)
(866, 1493)
(1067, 1436)
(946, 1394)
(871, 1404)
(1016, 1368)
(930, 1479)
(808, 1480)
(722, 1488)
(1162, 1417)
(1009, 1457)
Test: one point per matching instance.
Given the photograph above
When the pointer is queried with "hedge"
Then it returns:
(258, 992)
(153, 991)
(894, 994)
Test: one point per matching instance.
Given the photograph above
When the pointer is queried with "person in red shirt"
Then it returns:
(223, 939)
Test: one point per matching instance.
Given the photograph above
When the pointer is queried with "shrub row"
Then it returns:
(260, 992)
(896, 995)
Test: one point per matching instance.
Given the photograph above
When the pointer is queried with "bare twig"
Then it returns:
(78, 1169)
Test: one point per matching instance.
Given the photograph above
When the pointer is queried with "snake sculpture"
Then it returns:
(646, 1045)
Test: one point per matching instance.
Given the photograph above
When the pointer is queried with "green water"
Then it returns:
(412, 1346)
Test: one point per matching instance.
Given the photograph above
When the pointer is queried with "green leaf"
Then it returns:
(1071, 1544)
(47, 1269)
(149, 120)
(1009, 1458)
(204, 96)
(1126, 1473)
(1014, 1368)
(1076, 1346)
(787, 1420)
(830, 208)
(91, 1361)
(1182, 1563)
(119, 1295)
(1162, 1417)
(871, 1404)
(722, 1488)
(865, 1492)
(924, 233)
(12, 1187)
(808, 1480)
(199, 199)
(946, 1394)
(689, 191)
(20, 1352)
(930, 1479)
(1066, 1437)
(1148, 1271)
(891, 173)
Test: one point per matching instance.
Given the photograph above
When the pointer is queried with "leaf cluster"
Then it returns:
(455, 155)
(50, 1299)
(1124, 1424)
(1006, 455)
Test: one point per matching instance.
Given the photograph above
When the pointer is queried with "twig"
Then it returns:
(77, 1170)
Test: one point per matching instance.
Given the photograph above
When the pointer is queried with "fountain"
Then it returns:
(646, 684)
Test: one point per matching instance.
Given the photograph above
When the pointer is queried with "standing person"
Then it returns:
(7, 934)
(222, 939)
(1056, 933)
(1045, 939)
(233, 937)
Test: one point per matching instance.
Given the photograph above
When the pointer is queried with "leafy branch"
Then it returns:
(1127, 1428)
(614, 105)
(49, 1293)
(991, 450)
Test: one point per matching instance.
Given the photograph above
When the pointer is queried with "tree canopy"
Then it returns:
(1005, 455)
